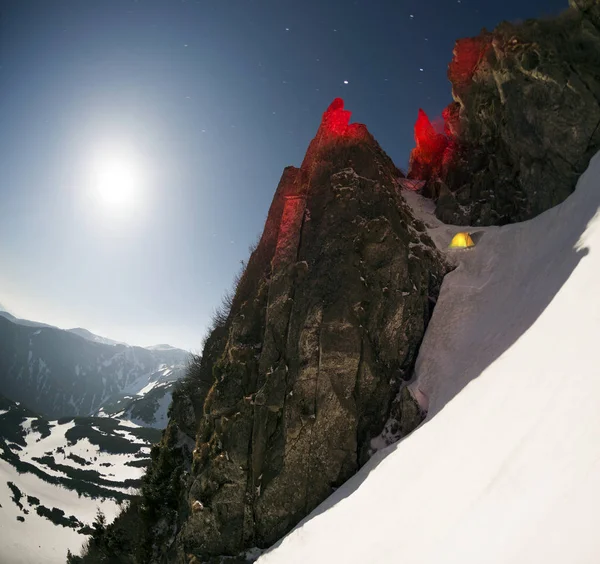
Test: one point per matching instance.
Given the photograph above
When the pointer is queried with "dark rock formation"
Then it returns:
(524, 122)
(323, 332)
(325, 326)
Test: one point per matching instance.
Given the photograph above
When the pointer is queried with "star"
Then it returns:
(412, 17)
(345, 82)
(421, 70)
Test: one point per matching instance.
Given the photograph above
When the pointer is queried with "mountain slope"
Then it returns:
(58, 373)
(26, 322)
(506, 469)
(55, 474)
(148, 407)
(94, 338)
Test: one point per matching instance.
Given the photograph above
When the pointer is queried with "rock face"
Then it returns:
(323, 332)
(524, 122)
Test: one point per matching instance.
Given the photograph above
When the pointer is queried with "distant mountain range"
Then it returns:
(94, 338)
(81, 332)
(59, 372)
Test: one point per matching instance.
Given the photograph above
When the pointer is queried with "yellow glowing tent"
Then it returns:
(461, 241)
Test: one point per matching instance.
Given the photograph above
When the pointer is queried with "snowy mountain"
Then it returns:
(149, 406)
(162, 347)
(94, 338)
(506, 467)
(59, 373)
(54, 475)
(26, 322)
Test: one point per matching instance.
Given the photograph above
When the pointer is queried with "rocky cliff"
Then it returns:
(324, 329)
(310, 365)
(524, 123)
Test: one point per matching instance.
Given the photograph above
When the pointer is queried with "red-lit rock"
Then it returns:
(427, 158)
(336, 130)
(468, 54)
(451, 117)
(524, 121)
(336, 122)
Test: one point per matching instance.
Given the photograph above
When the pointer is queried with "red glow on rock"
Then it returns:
(288, 238)
(451, 116)
(468, 53)
(336, 121)
(436, 145)
(430, 144)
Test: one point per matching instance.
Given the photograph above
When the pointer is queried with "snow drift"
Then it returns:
(506, 468)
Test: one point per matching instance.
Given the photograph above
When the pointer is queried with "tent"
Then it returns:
(461, 240)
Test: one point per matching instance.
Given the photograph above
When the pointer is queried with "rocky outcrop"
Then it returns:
(323, 333)
(324, 329)
(524, 123)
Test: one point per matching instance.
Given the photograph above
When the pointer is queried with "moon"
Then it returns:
(116, 183)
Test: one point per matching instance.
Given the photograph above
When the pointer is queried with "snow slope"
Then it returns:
(506, 468)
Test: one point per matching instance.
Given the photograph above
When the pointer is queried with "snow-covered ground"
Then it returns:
(37, 539)
(506, 468)
(73, 466)
(112, 467)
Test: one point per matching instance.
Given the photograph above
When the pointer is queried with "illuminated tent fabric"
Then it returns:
(461, 241)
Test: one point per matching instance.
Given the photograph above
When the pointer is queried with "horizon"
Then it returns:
(71, 329)
(142, 144)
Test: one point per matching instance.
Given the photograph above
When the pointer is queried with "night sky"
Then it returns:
(204, 103)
